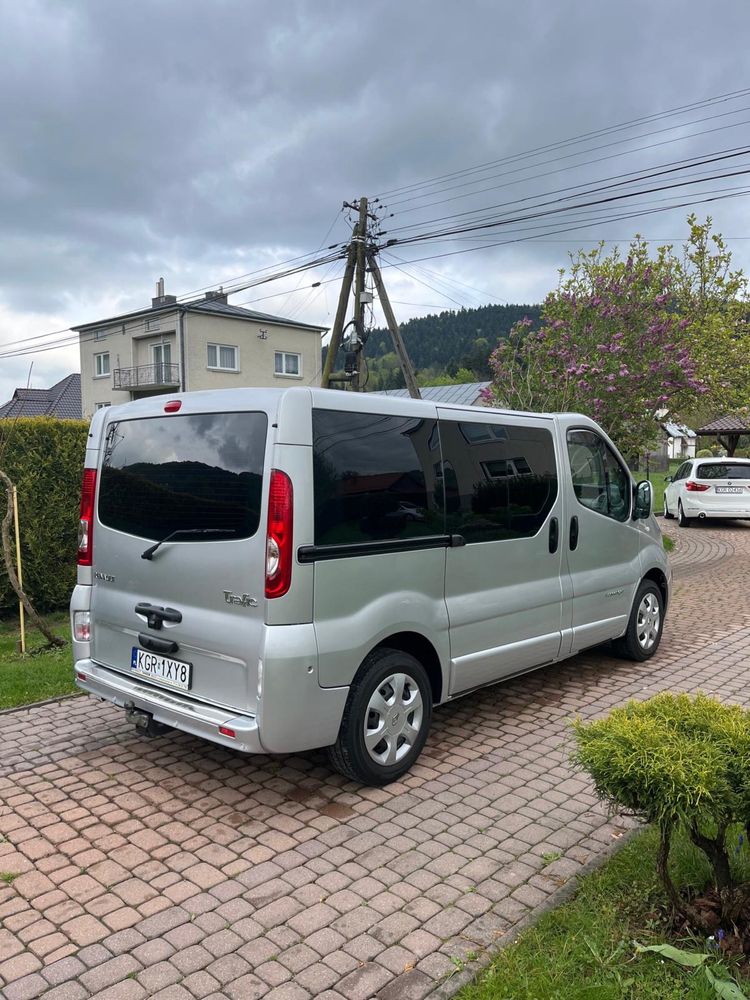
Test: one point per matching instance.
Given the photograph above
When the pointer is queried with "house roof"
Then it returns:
(62, 400)
(213, 306)
(464, 394)
(678, 430)
(725, 425)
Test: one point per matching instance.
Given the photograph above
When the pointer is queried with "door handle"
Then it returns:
(554, 535)
(156, 616)
(573, 533)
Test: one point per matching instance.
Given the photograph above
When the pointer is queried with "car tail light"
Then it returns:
(82, 626)
(692, 487)
(226, 731)
(279, 535)
(86, 524)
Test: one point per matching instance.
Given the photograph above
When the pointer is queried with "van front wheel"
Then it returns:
(386, 718)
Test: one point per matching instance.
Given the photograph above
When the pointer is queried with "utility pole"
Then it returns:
(361, 256)
(398, 343)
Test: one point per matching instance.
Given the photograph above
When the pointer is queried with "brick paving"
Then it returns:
(171, 869)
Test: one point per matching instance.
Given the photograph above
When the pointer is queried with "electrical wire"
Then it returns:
(581, 137)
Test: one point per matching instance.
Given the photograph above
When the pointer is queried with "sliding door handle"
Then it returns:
(554, 534)
(573, 534)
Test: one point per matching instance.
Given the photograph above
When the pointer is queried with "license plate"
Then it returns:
(161, 668)
(729, 489)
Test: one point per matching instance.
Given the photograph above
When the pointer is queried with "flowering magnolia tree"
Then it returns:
(612, 345)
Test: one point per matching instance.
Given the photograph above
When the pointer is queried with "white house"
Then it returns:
(203, 344)
(680, 440)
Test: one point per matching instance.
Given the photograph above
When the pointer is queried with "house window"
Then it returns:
(100, 334)
(287, 364)
(100, 406)
(101, 365)
(223, 357)
(153, 324)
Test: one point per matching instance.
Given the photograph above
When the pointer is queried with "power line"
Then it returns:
(581, 137)
(553, 207)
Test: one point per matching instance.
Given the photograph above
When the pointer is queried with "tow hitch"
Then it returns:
(144, 722)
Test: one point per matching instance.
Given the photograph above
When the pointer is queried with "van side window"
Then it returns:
(374, 477)
(599, 480)
(500, 480)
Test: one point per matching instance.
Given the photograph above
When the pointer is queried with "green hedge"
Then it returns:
(44, 458)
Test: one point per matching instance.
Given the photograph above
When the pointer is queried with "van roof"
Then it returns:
(269, 398)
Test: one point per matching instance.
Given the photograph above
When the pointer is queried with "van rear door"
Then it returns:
(179, 552)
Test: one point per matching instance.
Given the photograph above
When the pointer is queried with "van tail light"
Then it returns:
(692, 487)
(279, 535)
(86, 524)
(82, 626)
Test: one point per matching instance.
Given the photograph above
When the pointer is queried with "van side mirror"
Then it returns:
(668, 479)
(642, 506)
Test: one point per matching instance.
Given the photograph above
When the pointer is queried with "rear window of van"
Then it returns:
(182, 473)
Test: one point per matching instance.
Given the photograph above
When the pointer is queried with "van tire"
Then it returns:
(667, 513)
(381, 675)
(645, 626)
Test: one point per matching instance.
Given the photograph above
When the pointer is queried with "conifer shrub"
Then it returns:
(682, 763)
(44, 457)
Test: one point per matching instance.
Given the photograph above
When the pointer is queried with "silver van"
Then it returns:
(282, 569)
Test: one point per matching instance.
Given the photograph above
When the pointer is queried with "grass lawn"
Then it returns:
(40, 673)
(584, 950)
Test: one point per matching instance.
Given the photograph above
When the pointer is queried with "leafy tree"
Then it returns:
(714, 300)
(611, 345)
(626, 339)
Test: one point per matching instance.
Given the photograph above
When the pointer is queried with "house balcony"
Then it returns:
(159, 376)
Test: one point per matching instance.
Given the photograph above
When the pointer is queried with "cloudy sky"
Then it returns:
(203, 141)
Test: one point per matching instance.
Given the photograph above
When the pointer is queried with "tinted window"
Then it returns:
(723, 470)
(175, 473)
(500, 480)
(599, 480)
(374, 477)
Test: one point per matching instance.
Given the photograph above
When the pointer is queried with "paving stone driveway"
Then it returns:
(169, 869)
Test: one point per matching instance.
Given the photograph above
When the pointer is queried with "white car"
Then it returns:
(708, 487)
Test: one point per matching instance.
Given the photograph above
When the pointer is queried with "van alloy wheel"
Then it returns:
(648, 624)
(643, 634)
(386, 718)
(682, 520)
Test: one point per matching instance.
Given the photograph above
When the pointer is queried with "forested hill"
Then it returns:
(440, 346)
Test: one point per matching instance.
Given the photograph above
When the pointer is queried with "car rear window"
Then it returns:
(723, 470)
(182, 473)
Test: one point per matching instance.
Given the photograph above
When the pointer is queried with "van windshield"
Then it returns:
(162, 475)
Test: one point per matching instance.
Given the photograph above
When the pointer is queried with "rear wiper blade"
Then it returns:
(184, 533)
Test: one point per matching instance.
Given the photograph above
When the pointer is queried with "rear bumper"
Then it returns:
(735, 512)
(170, 708)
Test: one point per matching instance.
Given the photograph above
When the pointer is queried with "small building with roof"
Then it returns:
(62, 400)
(680, 441)
(726, 430)
(199, 344)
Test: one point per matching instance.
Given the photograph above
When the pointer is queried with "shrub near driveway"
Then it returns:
(44, 459)
(40, 674)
